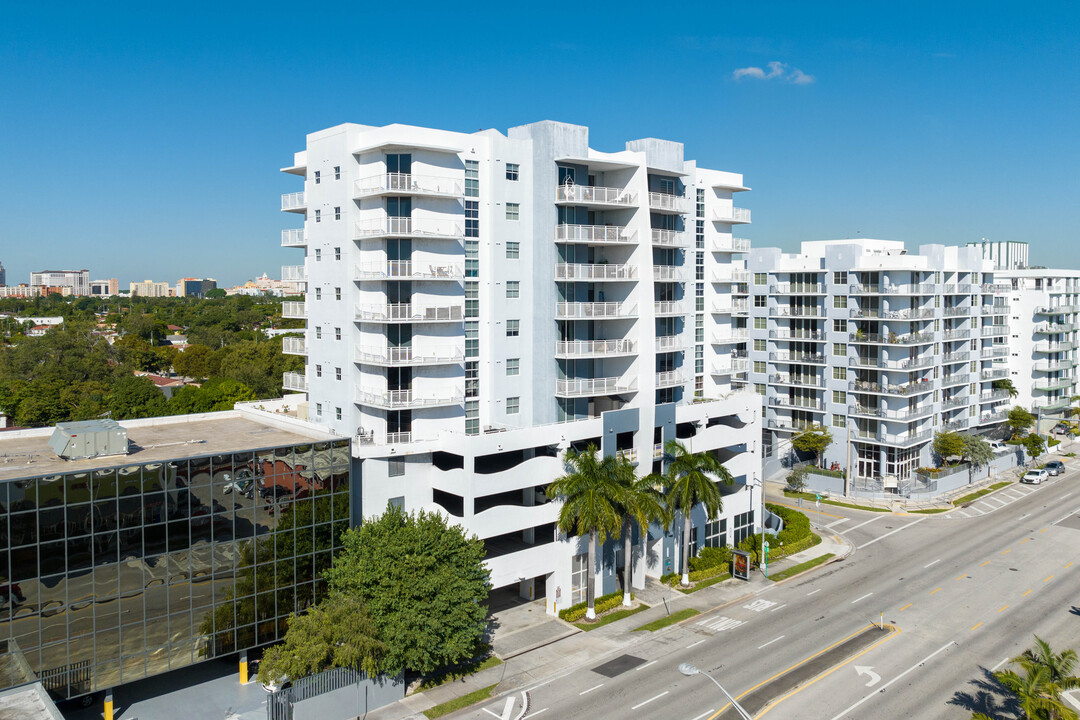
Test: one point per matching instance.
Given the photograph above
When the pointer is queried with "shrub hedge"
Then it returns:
(710, 557)
(601, 604)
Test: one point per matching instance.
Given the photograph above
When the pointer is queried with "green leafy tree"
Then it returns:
(1019, 420)
(213, 396)
(691, 479)
(948, 444)
(337, 632)
(135, 397)
(642, 503)
(193, 362)
(592, 497)
(796, 479)
(814, 440)
(1035, 446)
(1005, 384)
(422, 581)
(976, 452)
(215, 294)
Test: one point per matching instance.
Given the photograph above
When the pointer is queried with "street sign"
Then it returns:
(766, 547)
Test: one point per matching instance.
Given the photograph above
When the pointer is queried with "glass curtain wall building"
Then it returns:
(116, 573)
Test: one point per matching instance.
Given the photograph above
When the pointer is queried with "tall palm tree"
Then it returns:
(591, 497)
(691, 479)
(1036, 694)
(643, 503)
(1061, 665)
(1005, 384)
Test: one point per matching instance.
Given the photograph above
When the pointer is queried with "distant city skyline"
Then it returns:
(147, 145)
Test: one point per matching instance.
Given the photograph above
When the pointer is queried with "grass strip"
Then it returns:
(669, 620)
(459, 702)
(929, 511)
(611, 617)
(796, 569)
(459, 673)
(812, 498)
(702, 584)
(978, 494)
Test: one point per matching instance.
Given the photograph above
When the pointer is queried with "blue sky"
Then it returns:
(144, 141)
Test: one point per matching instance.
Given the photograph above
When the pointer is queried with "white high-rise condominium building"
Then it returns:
(73, 282)
(881, 346)
(1042, 335)
(478, 303)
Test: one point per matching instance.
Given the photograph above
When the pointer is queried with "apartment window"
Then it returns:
(513, 249)
(761, 278)
(699, 234)
(337, 373)
(699, 386)
(337, 413)
(472, 258)
(337, 293)
(973, 368)
(699, 196)
(395, 467)
(759, 366)
(472, 417)
(760, 323)
(699, 334)
(318, 371)
(512, 405)
(318, 293)
(318, 255)
(759, 345)
(337, 172)
(337, 253)
(472, 379)
(318, 177)
(761, 301)
(513, 366)
(472, 300)
(667, 186)
(839, 325)
(513, 211)
(512, 171)
(513, 328)
(744, 523)
(759, 388)
(699, 366)
(318, 409)
(472, 218)
(839, 301)
(699, 303)
(839, 373)
(839, 421)
(840, 278)
(318, 216)
(839, 349)
(472, 178)
(337, 213)
(318, 332)
(337, 333)
(839, 397)
(472, 339)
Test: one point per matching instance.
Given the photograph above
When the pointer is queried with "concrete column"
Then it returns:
(243, 667)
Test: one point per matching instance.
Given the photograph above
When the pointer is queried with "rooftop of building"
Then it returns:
(30, 702)
(26, 453)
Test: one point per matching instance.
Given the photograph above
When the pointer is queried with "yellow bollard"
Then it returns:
(108, 705)
(243, 670)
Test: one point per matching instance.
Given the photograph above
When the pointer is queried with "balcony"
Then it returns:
(592, 195)
(1051, 328)
(995, 309)
(668, 238)
(1050, 347)
(909, 314)
(729, 274)
(994, 374)
(667, 203)
(901, 440)
(733, 245)
(669, 273)
(407, 184)
(407, 270)
(668, 343)
(797, 335)
(293, 310)
(797, 402)
(395, 438)
(731, 335)
(786, 356)
(797, 311)
(730, 367)
(958, 311)
(890, 289)
(955, 357)
(994, 396)
(585, 387)
(294, 273)
(788, 425)
(905, 415)
(788, 288)
(959, 289)
(408, 356)
(407, 227)
(297, 382)
(599, 272)
(1052, 365)
(594, 234)
(670, 378)
(1050, 384)
(403, 399)
(906, 390)
(594, 310)
(294, 202)
(293, 345)
(961, 334)
(811, 381)
(995, 351)
(410, 313)
(993, 417)
(995, 330)
(959, 423)
(1051, 403)
(955, 402)
(733, 215)
(953, 379)
(1055, 309)
(891, 338)
(595, 348)
(669, 308)
(296, 237)
(903, 364)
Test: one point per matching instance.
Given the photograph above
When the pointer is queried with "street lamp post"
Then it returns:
(762, 555)
(688, 669)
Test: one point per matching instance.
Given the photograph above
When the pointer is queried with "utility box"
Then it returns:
(89, 439)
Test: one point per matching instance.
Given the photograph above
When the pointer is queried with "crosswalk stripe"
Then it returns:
(836, 522)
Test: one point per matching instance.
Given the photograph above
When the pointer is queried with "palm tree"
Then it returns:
(1061, 665)
(643, 503)
(591, 497)
(689, 483)
(1037, 696)
(1005, 384)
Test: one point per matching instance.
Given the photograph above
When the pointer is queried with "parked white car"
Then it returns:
(1034, 477)
(997, 445)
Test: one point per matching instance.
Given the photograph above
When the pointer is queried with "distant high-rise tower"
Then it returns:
(3, 275)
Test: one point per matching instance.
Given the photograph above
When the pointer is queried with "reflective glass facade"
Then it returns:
(111, 575)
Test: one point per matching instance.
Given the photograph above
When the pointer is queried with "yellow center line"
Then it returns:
(976, 625)
(905, 607)
(934, 591)
(961, 577)
(1048, 579)
(1043, 530)
(1026, 594)
(1024, 540)
(1007, 551)
(1067, 565)
(985, 564)
(1003, 608)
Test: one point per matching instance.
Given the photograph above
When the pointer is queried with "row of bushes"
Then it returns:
(601, 604)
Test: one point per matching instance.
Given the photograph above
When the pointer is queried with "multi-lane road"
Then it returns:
(958, 594)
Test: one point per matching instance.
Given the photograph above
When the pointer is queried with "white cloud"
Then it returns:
(775, 71)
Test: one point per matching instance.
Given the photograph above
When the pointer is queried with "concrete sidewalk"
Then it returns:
(559, 647)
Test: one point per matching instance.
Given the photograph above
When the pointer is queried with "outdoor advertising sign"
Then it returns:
(740, 564)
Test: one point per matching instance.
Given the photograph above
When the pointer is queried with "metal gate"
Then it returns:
(68, 680)
(279, 705)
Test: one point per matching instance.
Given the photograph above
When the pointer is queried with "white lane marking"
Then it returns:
(594, 687)
(642, 667)
(961, 513)
(933, 563)
(997, 500)
(898, 677)
(1066, 495)
(534, 714)
(989, 508)
(758, 605)
(812, 592)
(976, 510)
(491, 713)
(1023, 516)
(705, 714)
(834, 523)
(891, 532)
(778, 607)
(993, 669)
(650, 700)
(861, 598)
(770, 642)
(856, 527)
(724, 623)
(695, 644)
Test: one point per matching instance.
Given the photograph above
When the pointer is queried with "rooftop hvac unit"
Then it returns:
(89, 439)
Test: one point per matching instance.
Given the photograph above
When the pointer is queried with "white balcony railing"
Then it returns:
(294, 273)
(293, 310)
(582, 387)
(293, 345)
(294, 202)
(294, 381)
(730, 335)
(401, 356)
(737, 245)
(669, 273)
(732, 215)
(594, 310)
(668, 238)
(669, 307)
(593, 348)
(398, 399)
(594, 195)
(668, 343)
(407, 227)
(665, 201)
(593, 272)
(669, 378)
(408, 312)
(593, 234)
(295, 237)
(407, 270)
(408, 184)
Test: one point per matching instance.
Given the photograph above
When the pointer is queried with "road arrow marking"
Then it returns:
(869, 671)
